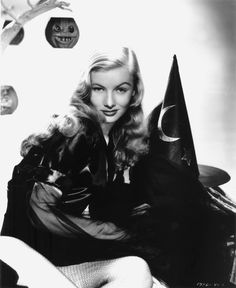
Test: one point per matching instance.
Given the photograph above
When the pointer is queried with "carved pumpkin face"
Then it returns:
(19, 36)
(62, 32)
(9, 100)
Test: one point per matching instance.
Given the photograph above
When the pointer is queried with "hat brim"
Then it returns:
(211, 176)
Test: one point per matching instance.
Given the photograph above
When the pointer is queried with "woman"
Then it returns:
(80, 181)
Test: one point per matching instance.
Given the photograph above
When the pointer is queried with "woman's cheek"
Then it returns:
(125, 101)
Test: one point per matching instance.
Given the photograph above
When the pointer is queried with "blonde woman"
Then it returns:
(77, 182)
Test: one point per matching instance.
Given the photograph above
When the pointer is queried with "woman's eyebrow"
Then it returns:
(123, 83)
(96, 84)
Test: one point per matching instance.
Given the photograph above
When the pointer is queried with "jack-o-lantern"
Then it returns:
(9, 100)
(19, 36)
(62, 32)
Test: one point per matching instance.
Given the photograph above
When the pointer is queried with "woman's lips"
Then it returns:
(109, 113)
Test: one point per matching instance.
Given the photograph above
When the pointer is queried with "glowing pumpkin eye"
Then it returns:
(71, 29)
(56, 28)
(5, 92)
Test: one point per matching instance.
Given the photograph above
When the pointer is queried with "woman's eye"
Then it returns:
(121, 90)
(97, 89)
(57, 28)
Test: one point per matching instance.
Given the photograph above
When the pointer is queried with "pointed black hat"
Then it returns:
(171, 136)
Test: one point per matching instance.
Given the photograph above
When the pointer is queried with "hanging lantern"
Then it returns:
(9, 100)
(62, 32)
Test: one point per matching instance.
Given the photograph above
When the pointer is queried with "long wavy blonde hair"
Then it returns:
(129, 132)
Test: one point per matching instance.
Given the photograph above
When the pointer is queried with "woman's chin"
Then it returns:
(110, 119)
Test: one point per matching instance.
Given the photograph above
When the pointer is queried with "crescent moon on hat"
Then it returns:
(163, 136)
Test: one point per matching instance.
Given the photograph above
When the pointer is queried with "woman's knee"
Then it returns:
(133, 269)
(137, 264)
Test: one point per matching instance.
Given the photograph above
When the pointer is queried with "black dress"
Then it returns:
(88, 179)
(163, 214)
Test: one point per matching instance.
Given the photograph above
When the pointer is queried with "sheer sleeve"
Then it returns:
(47, 215)
(63, 186)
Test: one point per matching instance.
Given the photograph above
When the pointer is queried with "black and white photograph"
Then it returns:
(118, 144)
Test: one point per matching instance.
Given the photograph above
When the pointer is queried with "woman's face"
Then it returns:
(111, 91)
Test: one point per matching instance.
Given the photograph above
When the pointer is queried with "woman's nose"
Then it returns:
(109, 101)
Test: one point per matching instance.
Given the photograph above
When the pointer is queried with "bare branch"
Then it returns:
(42, 8)
(8, 10)
(4, 5)
(9, 32)
(30, 4)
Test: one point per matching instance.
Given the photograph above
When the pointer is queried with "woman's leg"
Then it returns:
(128, 272)
(33, 269)
(125, 272)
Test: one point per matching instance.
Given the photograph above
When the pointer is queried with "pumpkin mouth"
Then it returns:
(64, 39)
(5, 110)
(6, 105)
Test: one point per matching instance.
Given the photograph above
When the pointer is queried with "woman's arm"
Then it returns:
(56, 204)
(43, 202)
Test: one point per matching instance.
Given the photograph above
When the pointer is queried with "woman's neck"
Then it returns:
(106, 128)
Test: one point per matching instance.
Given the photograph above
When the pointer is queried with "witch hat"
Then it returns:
(171, 136)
